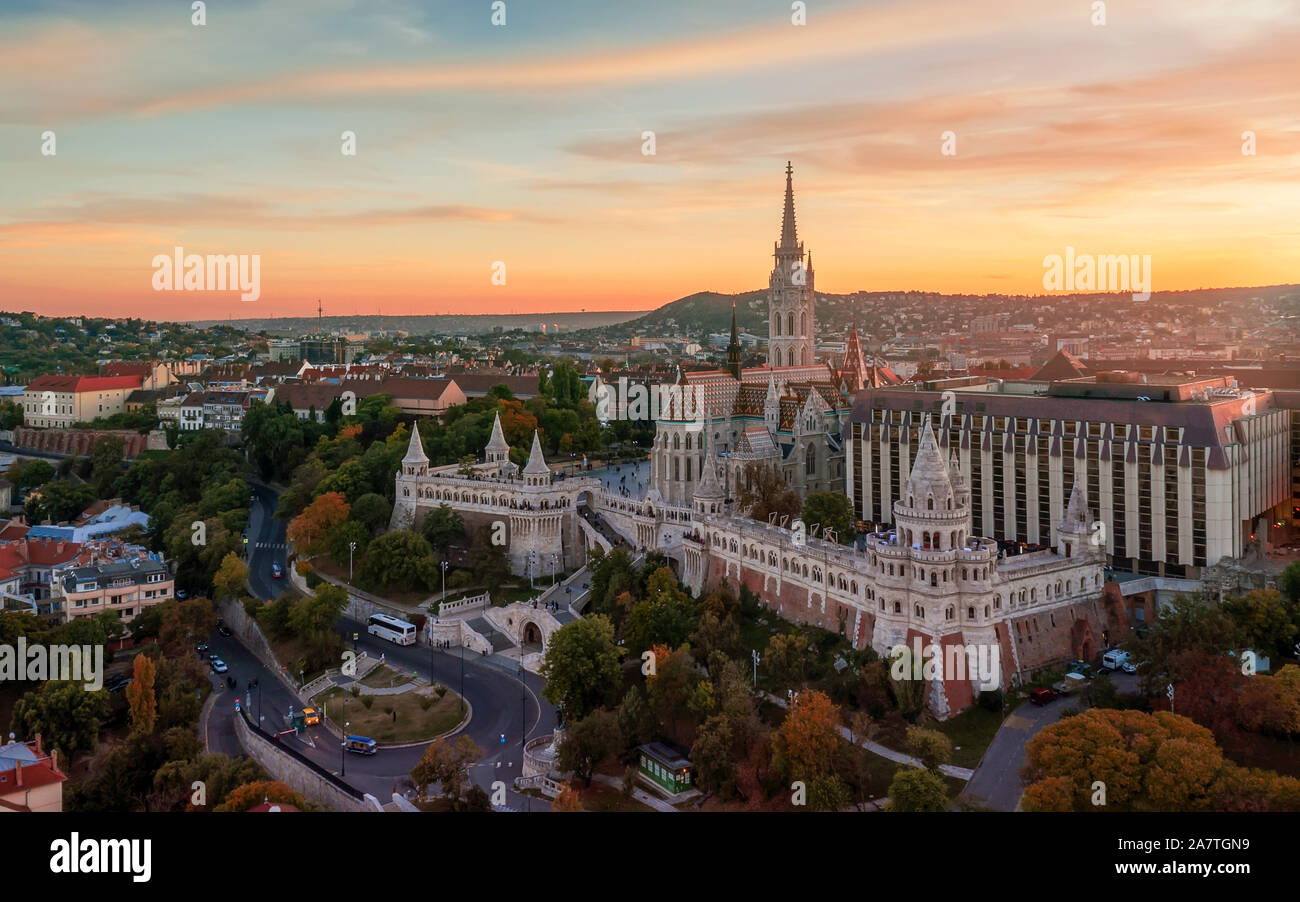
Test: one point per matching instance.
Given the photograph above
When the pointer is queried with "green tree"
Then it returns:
(59, 501)
(402, 559)
(831, 510)
(930, 746)
(373, 511)
(916, 789)
(762, 492)
(581, 666)
(106, 463)
(442, 527)
(64, 713)
(590, 741)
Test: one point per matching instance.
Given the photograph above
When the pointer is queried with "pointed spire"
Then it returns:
(536, 465)
(415, 449)
(930, 476)
(1076, 511)
(954, 469)
(709, 486)
(789, 238)
(497, 442)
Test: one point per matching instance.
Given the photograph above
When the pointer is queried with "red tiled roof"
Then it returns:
(78, 384)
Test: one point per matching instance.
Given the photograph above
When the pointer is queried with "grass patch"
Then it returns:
(971, 732)
(383, 676)
(413, 723)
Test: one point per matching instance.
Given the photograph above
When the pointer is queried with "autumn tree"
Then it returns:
(762, 492)
(310, 531)
(242, 798)
(567, 799)
(140, 695)
(809, 737)
(231, 576)
(445, 762)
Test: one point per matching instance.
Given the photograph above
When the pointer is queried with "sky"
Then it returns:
(521, 144)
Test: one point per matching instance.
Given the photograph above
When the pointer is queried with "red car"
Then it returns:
(1043, 696)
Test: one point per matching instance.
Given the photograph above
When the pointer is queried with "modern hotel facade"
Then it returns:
(1183, 472)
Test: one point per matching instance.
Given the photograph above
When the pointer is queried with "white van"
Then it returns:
(1115, 660)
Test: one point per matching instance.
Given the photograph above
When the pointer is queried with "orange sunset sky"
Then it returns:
(522, 143)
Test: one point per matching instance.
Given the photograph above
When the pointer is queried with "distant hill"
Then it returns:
(448, 324)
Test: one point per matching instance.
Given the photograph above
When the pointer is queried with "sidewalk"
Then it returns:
(948, 770)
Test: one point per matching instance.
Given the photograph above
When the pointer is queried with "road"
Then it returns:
(500, 704)
(996, 781)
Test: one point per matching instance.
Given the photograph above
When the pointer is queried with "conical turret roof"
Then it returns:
(930, 475)
(709, 486)
(415, 450)
(536, 465)
(1076, 511)
(497, 442)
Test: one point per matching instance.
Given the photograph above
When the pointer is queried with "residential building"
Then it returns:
(125, 587)
(54, 402)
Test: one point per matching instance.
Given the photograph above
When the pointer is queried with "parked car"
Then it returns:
(181, 594)
(224, 630)
(276, 571)
(201, 648)
(1043, 696)
(219, 666)
(1114, 659)
(1129, 667)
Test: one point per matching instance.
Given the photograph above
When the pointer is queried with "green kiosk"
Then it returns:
(665, 767)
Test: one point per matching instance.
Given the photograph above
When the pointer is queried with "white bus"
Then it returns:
(397, 631)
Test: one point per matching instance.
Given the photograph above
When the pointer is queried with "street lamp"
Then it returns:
(352, 546)
(444, 580)
(343, 747)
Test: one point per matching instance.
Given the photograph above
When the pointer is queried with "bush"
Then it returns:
(368, 700)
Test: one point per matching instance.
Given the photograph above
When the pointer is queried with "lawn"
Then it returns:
(971, 732)
(384, 677)
(411, 724)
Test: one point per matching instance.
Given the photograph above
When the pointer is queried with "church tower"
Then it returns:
(791, 326)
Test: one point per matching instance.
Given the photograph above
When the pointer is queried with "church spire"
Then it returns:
(789, 238)
(733, 349)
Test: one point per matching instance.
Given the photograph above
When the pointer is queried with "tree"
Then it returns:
(809, 737)
(316, 613)
(232, 576)
(1264, 620)
(59, 501)
(372, 511)
(242, 798)
(445, 762)
(763, 492)
(442, 528)
(916, 789)
(310, 530)
(1191, 623)
(402, 559)
(64, 713)
(827, 792)
(567, 799)
(1288, 582)
(666, 617)
(590, 741)
(140, 695)
(581, 666)
(28, 474)
(930, 746)
(830, 510)
(106, 463)
(185, 625)
(787, 658)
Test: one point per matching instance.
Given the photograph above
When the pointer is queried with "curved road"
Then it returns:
(501, 705)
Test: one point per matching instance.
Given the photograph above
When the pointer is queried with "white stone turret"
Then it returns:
(498, 449)
(536, 472)
(415, 463)
(709, 496)
(1077, 532)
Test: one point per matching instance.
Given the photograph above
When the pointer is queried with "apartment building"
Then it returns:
(57, 402)
(125, 587)
(1185, 471)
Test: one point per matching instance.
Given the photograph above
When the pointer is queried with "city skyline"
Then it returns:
(523, 143)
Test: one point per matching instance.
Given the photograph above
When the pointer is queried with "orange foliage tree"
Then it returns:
(809, 736)
(242, 798)
(310, 530)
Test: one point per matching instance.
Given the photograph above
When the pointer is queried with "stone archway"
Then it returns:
(1082, 642)
(530, 634)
